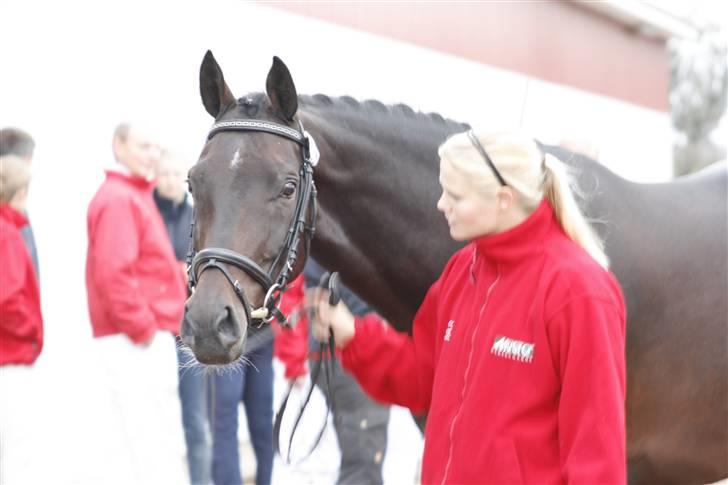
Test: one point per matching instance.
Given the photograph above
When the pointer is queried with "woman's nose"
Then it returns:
(441, 206)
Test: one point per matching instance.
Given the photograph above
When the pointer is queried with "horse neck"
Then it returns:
(597, 187)
(377, 190)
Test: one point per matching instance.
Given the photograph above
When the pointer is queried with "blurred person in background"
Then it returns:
(14, 141)
(360, 422)
(252, 383)
(136, 293)
(21, 327)
(171, 198)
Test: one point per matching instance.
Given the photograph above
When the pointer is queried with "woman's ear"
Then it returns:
(505, 198)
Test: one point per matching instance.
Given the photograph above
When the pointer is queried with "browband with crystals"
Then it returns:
(483, 153)
(256, 125)
(300, 136)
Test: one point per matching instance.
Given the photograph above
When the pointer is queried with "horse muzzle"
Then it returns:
(214, 331)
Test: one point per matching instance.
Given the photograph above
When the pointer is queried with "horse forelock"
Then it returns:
(252, 104)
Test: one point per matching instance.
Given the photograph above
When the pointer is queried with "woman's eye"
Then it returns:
(289, 189)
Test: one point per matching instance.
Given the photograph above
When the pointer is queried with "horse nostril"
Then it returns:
(188, 328)
(227, 326)
(188, 340)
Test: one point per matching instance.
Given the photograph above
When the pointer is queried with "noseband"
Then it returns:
(219, 258)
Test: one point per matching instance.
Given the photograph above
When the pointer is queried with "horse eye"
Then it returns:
(189, 186)
(289, 189)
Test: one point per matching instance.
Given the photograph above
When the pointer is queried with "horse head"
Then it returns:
(254, 211)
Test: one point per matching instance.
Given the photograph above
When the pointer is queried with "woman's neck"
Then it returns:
(512, 217)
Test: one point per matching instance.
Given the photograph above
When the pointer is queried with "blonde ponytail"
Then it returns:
(558, 191)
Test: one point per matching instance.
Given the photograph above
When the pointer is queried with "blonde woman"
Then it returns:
(517, 352)
(21, 322)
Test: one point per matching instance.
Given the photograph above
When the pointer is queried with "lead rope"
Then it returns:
(327, 360)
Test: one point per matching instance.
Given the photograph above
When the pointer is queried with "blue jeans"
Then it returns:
(253, 384)
(193, 396)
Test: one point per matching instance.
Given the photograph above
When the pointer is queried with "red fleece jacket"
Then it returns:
(134, 283)
(517, 355)
(291, 344)
(21, 322)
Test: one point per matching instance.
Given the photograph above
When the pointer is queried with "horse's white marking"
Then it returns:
(237, 160)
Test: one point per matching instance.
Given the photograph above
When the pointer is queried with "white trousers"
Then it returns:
(147, 437)
(21, 403)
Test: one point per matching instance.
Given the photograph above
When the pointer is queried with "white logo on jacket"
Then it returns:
(448, 331)
(512, 349)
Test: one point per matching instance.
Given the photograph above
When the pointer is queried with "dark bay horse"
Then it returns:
(377, 225)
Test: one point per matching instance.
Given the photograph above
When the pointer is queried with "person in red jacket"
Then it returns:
(136, 294)
(21, 323)
(21, 328)
(518, 349)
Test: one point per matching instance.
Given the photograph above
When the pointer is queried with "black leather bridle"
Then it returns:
(219, 258)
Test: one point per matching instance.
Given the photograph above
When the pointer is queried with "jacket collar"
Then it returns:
(13, 216)
(129, 179)
(521, 241)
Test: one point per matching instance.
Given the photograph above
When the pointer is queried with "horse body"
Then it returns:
(667, 243)
(377, 225)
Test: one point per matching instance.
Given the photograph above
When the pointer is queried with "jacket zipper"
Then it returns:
(467, 371)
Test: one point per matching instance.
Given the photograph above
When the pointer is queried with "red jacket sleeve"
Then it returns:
(588, 337)
(115, 249)
(393, 367)
(291, 343)
(20, 314)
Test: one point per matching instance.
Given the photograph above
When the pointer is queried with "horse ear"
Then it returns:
(281, 90)
(215, 93)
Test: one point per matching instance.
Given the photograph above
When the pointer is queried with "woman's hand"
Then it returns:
(328, 318)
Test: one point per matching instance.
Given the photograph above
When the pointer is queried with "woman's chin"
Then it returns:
(456, 236)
